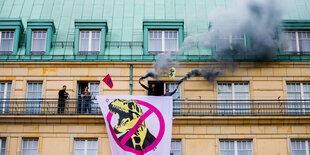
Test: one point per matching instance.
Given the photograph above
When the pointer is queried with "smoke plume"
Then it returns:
(149, 74)
(231, 28)
(209, 75)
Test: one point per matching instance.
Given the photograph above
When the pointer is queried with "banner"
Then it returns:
(138, 124)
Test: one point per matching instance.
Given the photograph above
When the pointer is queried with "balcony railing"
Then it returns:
(180, 107)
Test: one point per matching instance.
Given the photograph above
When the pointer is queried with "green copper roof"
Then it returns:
(124, 18)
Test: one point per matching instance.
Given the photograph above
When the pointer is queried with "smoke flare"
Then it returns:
(209, 75)
(149, 74)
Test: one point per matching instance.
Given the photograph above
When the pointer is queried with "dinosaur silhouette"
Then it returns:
(129, 113)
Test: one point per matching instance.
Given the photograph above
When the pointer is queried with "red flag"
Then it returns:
(107, 80)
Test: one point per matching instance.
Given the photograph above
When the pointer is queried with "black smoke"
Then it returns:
(209, 75)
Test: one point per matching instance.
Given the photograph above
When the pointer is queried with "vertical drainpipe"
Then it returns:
(130, 81)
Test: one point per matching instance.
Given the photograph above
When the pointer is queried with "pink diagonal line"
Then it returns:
(135, 128)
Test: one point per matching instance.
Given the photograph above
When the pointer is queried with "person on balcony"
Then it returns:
(86, 101)
(152, 91)
(62, 96)
(168, 93)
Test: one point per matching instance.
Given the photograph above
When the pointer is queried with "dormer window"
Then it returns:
(6, 42)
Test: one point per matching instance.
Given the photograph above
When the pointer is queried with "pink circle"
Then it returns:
(156, 141)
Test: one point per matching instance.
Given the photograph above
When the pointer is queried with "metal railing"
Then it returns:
(180, 107)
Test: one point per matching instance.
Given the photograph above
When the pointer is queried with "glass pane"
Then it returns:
(95, 45)
(155, 45)
(84, 45)
(171, 45)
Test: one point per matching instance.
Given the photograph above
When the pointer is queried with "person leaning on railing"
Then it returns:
(62, 96)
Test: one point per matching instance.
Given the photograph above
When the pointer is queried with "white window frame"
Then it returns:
(35, 91)
(6, 38)
(306, 147)
(177, 141)
(234, 108)
(32, 139)
(85, 149)
(296, 41)
(6, 88)
(163, 40)
(303, 106)
(90, 39)
(1, 139)
(36, 31)
(230, 39)
(5, 95)
(236, 145)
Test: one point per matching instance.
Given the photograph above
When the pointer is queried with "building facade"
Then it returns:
(261, 108)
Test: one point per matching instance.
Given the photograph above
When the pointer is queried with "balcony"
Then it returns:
(180, 107)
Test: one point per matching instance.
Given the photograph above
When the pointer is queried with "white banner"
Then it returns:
(138, 124)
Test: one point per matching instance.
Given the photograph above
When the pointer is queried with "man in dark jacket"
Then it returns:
(152, 91)
(62, 96)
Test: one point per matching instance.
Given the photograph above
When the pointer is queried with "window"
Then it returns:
(38, 42)
(162, 35)
(39, 36)
(230, 147)
(300, 147)
(175, 147)
(2, 146)
(231, 40)
(297, 42)
(296, 92)
(89, 42)
(85, 147)
(5, 93)
(163, 41)
(176, 95)
(6, 42)
(34, 93)
(93, 88)
(230, 92)
(30, 147)
(90, 36)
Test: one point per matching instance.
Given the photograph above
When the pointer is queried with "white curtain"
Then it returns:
(95, 41)
(7, 39)
(304, 41)
(30, 147)
(155, 41)
(38, 41)
(175, 147)
(171, 41)
(225, 93)
(244, 147)
(227, 148)
(294, 93)
(298, 147)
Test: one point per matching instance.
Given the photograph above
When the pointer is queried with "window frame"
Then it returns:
(302, 103)
(297, 43)
(15, 25)
(178, 141)
(1, 33)
(85, 148)
(32, 38)
(37, 25)
(236, 145)
(163, 39)
(230, 40)
(90, 41)
(1, 140)
(306, 145)
(153, 24)
(95, 25)
(32, 139)
(235, 109)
